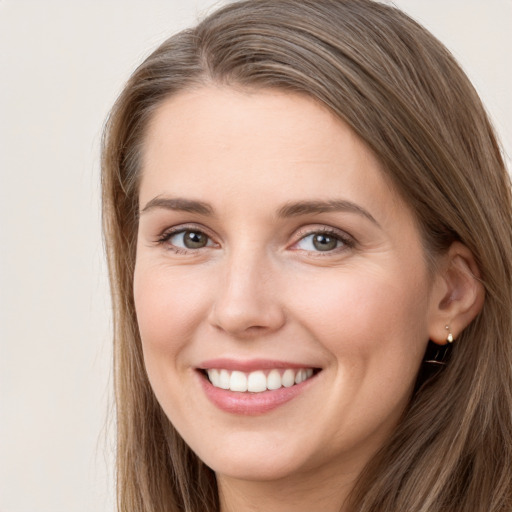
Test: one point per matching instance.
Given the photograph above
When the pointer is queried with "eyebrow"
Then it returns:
(292, 209)
(179, 204)
(315, 207)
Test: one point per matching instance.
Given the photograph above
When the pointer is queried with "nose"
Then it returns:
(247, 301)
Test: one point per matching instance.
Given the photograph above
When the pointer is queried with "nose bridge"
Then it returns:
(247, 300)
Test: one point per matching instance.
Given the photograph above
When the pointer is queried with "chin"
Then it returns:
(254, 456)
(254, 467)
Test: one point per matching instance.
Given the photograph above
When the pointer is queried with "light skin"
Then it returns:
(302, 252)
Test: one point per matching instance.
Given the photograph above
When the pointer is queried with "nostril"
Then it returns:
(247, 318)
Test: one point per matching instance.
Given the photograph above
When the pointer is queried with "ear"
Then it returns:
(457, 295)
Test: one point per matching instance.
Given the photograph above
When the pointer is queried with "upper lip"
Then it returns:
(250, 365)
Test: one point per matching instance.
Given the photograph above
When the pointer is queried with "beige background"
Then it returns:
(61, 65)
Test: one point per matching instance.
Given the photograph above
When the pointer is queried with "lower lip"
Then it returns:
(251, 404)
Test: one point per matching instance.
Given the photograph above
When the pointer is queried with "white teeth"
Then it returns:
(213, 375)
(274, 380)
(257, 381)
(238, 381)
(223, 379)
(301, 375)
(288, 378)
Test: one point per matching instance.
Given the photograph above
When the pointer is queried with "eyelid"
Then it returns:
(168, 233)
(347, 240)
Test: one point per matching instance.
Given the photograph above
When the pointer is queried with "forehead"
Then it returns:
(225, 142)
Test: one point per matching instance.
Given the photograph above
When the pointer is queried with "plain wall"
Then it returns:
(62, 63)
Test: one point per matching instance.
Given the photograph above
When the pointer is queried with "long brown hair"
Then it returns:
(402, 92)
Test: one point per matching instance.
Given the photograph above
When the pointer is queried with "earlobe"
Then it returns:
(458, 295)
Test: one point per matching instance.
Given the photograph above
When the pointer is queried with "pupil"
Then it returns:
(194, 240)
(324, 242)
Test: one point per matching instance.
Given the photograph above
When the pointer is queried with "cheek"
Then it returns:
(168, 306)
(366, 313)
(374, 325)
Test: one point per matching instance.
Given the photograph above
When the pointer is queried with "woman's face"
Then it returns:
(270, 242)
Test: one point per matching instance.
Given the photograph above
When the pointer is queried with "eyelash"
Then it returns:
(164, 238)
(347, 241)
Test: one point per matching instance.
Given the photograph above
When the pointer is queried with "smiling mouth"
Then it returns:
(258, 381)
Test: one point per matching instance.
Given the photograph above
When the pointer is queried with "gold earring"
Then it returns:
(449, 337)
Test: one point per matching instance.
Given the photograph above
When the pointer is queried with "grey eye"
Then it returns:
(190, 239)
(319, 242)
(324, 242)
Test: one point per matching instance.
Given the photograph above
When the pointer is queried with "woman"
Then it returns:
(308, 224)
